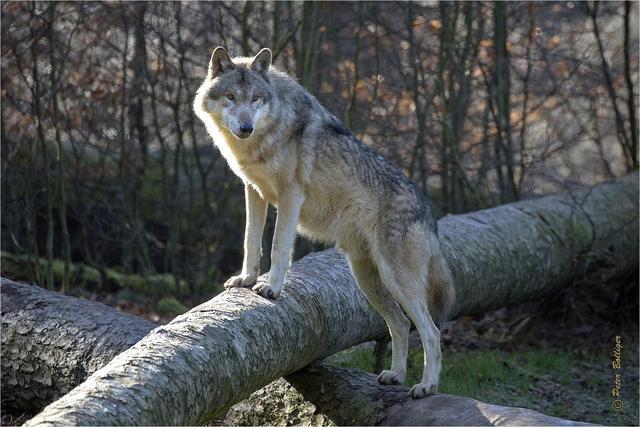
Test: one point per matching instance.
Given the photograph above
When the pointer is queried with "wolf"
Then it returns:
(292, 153)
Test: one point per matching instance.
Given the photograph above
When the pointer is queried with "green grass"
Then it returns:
(558, 383)
(477, 373)
(170, 305)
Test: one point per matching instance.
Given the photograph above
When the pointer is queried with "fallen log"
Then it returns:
(196, 367)
(51, 343)
(324, 395)
(318, 394)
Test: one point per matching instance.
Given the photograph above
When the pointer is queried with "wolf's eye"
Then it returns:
(255, 98)
(230, 96)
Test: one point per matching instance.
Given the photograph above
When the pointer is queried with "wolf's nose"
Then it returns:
(246, 129)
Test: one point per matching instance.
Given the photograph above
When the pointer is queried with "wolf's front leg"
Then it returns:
(289, 205)
(256, 213)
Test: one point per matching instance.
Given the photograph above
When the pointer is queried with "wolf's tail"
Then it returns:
(440, 292)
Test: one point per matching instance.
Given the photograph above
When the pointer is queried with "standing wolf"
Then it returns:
(292, 153)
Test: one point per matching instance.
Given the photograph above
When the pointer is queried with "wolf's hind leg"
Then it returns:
(406, 281)
(369, 281)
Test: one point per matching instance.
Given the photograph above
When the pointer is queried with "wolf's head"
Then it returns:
(236, 94)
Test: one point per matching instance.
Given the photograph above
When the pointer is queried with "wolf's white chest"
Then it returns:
(252, 170)
(262, 181)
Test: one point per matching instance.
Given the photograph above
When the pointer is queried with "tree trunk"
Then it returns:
(315, 395)
(51, 343)
(197, 366)
(322, 395)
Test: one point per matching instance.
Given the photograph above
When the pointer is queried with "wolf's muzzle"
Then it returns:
(245, 131)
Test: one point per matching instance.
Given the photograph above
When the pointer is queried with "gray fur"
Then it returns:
(301, 159)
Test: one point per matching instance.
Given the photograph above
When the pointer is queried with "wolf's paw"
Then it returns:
(390, 378)
(266, 290)
(240, 281)
(421, 390)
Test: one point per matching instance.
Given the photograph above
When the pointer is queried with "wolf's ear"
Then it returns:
(220, 62)
(262, 61)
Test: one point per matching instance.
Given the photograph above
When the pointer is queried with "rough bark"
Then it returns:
(318, 394)
(322, 395)
(521, 251)
(204, 361)
(51, 343)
